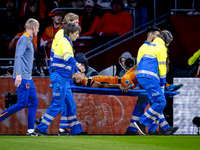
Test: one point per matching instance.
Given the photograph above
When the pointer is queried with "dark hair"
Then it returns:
(120, 2)
(166, 36)
(153, 29)
(71, 28)
(87, 20)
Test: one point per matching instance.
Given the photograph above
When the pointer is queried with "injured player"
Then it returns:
(124, 83)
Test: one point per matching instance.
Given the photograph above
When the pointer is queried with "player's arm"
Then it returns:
(133, 69)
(68, 56)
(20, 50)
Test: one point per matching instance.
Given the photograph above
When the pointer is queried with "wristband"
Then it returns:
(78, 65)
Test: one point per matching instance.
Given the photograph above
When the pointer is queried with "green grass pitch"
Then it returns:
(100, 142)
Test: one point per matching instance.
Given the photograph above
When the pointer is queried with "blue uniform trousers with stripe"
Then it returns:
(161, 121)
(61, 94)
(157, 99)
(68, 113)
(26, 97)
(138, 111)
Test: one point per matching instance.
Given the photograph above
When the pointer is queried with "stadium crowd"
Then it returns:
(97, 19)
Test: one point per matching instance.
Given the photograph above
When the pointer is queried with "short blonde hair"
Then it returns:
(30, 23)
(70, 17)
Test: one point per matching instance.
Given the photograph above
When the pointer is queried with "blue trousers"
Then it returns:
(157, 99)
(138, 111)
(62, 101)
(26, 97)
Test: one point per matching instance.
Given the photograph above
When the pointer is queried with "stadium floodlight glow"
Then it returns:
(196, 121)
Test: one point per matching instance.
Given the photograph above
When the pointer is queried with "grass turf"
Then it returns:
(100, 142)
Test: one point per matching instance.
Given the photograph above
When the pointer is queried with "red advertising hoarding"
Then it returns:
(98, 114)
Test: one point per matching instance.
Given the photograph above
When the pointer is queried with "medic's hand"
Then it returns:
(163, 88)
(81, 68)
(18, 80)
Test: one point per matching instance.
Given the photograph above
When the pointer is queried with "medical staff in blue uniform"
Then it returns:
(26, 90)
(62, 67)
(142, 102)
(151, 75)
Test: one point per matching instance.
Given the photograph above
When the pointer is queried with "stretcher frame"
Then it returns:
(110, 91)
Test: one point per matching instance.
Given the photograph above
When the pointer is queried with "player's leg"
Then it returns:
(32, 107)
(22, 97)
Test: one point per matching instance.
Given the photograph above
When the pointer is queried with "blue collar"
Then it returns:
(146, 42)
(69, 40)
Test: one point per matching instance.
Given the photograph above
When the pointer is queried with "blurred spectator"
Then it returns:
(124, 57)
(77, 3)
(89, 20)
(10, 20)
(51, 4)
(162, 7)
(141, 15)
(9, 26)
(126, 5)
(30, 6)
(57, 16)
(104, 3)
(89, 71)
(195, 62)
(196, 7)
(13, 42)
(29, 10)
(114, 23)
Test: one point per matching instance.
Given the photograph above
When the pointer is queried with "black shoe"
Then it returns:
(128, 132)
(38, 121)
(141, 127)
(82, 133)
(38, 133)
(30, 134)
(154, 133)
(66, 132)
(170, 131)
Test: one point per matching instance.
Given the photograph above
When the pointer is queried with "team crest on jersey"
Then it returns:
(27, 85)
(127, 82)
(86, 83)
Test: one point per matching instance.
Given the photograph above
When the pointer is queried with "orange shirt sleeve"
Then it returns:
(23, 9)
(84, 82)
(35, 40)
(42, 9)
(128, 23)
(100, 25)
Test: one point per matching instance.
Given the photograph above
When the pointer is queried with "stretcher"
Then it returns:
(109, 91)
